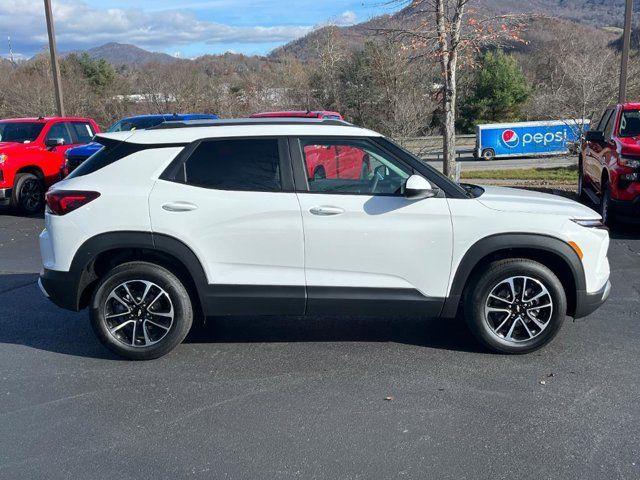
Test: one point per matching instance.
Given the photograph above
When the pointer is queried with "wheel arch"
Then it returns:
(552, 252)
(102, 252)
(33, 169)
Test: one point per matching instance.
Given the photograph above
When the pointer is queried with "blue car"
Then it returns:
(75, 156)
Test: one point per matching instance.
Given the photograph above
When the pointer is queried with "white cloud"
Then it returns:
(79, 25)
(348, 17)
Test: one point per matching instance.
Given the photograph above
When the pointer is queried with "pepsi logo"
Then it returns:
(510, 138)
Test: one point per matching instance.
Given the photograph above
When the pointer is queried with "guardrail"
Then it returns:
(431, 147)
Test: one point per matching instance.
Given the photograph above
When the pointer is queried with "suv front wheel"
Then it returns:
(141, 311)
(515, 306)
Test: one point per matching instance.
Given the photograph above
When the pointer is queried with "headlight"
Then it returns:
(589, 223)
(3, 158)
(629, 162)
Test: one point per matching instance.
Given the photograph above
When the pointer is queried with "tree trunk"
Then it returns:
(449, 127)
(447, 49)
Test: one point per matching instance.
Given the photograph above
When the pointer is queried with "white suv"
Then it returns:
(165, 226)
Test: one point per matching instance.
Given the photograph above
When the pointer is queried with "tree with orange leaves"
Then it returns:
(452, 33)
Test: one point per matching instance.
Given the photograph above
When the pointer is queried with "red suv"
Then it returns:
(328, 161)
(31, 154)
(609, 163)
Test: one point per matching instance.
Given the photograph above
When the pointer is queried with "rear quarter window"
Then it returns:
(111, 152)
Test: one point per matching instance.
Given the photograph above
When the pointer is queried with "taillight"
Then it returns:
(61, 202)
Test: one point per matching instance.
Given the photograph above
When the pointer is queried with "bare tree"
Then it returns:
(571, 74)
(449, 32)
(330, 52)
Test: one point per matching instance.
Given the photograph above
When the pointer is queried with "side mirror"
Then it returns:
(418, 187)
(594, 136)
(54, 142)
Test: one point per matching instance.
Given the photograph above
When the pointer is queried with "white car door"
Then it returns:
(232, 203)
(368, 248)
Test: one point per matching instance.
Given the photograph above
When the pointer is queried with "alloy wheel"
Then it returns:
(30, 194)
(518, 309)
(138, 313)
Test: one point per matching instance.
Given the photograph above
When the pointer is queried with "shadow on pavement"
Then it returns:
(625, 231)
(29, 319)
(9, 212)
(422, 332)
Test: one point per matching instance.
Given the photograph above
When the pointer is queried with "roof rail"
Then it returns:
(226, 122)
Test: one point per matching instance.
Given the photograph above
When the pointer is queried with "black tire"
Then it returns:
(28, 193)
(606, 209)
(482, 325)
(168, 337)
(488, 154)
(581, 195)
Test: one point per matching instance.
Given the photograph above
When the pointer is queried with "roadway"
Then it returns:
(315, 398)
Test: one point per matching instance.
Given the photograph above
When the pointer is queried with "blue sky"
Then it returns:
(188, 28)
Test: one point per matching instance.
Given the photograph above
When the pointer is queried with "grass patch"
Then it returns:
(556, 174)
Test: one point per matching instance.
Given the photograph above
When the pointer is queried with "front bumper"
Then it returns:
(5, 196)
(62, 288)
(587, 303)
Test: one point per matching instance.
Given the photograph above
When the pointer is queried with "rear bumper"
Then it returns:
(61, 288)
(5, 196)
(587, 303)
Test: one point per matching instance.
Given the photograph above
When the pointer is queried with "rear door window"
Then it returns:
(83, 131)
(60, 130)
(235, 164)
(608, 128)
(604, 119)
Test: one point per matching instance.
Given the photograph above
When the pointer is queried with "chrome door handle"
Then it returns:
(326, 211)
(179, 207)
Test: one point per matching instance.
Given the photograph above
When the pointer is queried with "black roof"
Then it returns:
(225, 122)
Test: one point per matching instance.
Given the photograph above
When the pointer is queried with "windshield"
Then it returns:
(20, 132)
(135, 123)
(630, 123)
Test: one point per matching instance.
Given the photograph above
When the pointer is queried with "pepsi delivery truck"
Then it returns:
(526, 139)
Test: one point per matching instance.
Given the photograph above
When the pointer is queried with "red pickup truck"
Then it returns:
(31, 154)
(609, 163)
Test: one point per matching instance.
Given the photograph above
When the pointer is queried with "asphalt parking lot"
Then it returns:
(315, 398)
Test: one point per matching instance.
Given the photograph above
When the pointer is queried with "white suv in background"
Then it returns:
(165, 226)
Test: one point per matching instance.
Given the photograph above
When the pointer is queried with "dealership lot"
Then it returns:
(315, 398)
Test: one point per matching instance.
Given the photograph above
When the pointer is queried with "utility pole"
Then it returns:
(626, 40)
(55, 68)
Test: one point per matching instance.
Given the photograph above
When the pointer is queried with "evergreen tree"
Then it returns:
(499, 91)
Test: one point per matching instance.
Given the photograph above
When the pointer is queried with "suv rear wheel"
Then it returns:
(515, 306)
(28, 193)
(141, 311)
